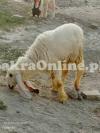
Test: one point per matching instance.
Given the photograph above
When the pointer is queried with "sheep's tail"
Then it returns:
(80, 56)
(72, 58)
(80, 65)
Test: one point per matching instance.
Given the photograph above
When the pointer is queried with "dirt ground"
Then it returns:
(43, 114)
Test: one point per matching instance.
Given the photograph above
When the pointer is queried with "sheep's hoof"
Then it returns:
(83, 95)
(63, 99)
(80, 98)
(54, 90)
(26, 95)
(62, 102)
(36, 91)
(29, 97)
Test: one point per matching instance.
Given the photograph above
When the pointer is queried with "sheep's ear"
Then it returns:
(19, 82)
(18, 79)
(23, 90)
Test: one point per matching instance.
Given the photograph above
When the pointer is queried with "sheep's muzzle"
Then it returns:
(11, 87)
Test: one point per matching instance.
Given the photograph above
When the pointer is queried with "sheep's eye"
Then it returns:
(10, 75)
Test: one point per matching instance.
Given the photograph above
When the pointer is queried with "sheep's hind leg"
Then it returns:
(64, 73)
(79, 74)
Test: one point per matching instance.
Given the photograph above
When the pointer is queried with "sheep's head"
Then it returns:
(11, 78)
(14, 78)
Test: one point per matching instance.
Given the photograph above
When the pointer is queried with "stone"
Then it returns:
(93, 26)
(92, 94)
(17, 16)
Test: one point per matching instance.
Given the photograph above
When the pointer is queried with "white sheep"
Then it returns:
(65, 43)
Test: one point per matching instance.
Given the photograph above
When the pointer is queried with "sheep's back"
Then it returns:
(57, 44)
(64, 40)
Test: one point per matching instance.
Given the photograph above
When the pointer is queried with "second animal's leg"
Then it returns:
(53, 8)
(45, 9)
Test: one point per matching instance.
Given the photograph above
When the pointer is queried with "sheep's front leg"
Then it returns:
(22, 88)
(31, 87)
(61, 92)
(24, 92)
(58, 85)
(54, 81)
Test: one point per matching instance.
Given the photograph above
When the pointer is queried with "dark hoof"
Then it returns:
(80, 98)
(36, 91)
(83, 95)
(54, 91)
(62, 102)
(11, 87)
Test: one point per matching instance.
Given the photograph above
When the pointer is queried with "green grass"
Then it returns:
(8, 10)
(2, 106)
(9, 54)
(7, 20)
